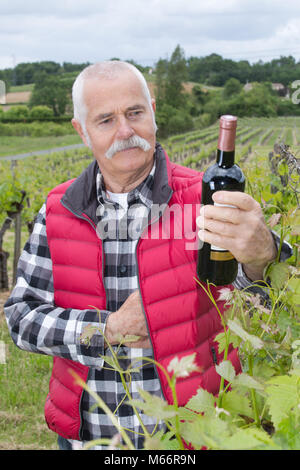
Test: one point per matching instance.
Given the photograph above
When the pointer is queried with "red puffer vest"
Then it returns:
(181, 318)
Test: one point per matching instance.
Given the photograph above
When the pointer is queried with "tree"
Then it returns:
(260, 101)
(176, 75)
(160, 81)
(52, 92)
(232, 87)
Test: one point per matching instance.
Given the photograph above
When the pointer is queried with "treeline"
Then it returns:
(27, 73)
(217, 88)
(215, 70)
(31, 72)
(210, 70)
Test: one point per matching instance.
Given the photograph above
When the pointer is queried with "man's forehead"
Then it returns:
(100, 83)
(105, 92)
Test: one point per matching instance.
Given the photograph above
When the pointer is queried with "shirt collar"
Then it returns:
(142, 193)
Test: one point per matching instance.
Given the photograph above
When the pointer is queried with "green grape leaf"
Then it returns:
(250, 438)
(226, 370)
(153, 406)
(237, 328)
(287, 434)
(221, 340)
(202, 402)
(209, 431)
(282, 396)
(236, 403)
(279, 274)
(294, 290)
(161, 441)
(245, 380)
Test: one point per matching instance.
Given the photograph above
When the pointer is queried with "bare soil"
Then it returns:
(18, 97)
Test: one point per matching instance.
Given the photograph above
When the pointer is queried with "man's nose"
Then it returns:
(124, 130)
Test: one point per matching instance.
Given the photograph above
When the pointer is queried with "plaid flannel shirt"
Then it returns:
(36, 324)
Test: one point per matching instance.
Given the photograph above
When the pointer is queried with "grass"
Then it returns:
(24, 380)
(14, 145)
(21, 88)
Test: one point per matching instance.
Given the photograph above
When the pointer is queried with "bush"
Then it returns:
(204, 120)
(288, 108)
(180, 122)
(17, 112)
(41, 112)
(36, 129)
(232, 87)
(172, 121)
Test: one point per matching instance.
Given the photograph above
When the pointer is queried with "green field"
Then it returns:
(14, 145)
(24, 380)
(20, 88)
(24, 377)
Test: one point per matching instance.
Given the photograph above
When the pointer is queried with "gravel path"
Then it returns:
(41, 152)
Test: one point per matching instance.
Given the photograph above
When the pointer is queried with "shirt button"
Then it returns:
(123, 268)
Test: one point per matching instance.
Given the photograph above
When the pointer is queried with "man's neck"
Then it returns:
(125, 183)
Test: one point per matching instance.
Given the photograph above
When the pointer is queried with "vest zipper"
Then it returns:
(102, 248)
(214, 355)
(139, 285)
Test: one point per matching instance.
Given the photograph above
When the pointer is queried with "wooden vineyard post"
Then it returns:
(16, 216)
(4, 285)
(17, 246)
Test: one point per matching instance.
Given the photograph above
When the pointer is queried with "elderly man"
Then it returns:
(142, 285)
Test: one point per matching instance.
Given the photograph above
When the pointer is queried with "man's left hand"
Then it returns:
(241, 230)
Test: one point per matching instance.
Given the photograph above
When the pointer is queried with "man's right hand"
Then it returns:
(128, 320)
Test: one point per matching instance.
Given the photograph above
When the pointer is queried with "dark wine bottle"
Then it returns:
(215, 264)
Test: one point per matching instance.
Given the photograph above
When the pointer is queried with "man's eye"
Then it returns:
(106, 121)
(136, 113)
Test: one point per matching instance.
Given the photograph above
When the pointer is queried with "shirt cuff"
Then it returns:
(242, 281)
(90, 343)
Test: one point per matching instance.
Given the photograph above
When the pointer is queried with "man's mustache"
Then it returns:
(133, 141)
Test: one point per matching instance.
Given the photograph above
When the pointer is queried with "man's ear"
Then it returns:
(77, 126)
(153, 104)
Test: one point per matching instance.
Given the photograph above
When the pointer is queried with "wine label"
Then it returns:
(217, 253)
(221, 255)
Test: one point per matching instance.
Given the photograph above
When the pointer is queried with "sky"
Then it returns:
(146, 30)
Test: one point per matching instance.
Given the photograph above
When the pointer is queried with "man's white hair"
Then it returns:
(106, 70)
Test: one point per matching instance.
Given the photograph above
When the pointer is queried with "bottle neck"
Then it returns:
(225, 159)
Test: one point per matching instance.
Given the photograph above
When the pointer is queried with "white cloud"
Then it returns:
(145, 30)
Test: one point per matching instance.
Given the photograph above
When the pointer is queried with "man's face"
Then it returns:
(117, 109)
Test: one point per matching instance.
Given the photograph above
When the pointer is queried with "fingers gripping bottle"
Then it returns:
(215, 264)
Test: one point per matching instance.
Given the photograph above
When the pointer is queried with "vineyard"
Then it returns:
(266, 397)
(253, 134)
